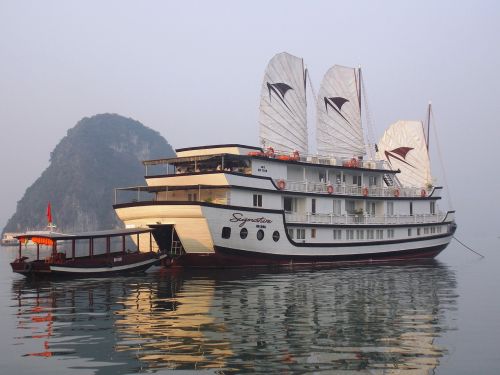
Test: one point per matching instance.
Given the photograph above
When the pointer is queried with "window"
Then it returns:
(439, 229)
(290, 233)
(433, 230)
(360, 234)
(276, 236)
(370, 234)
(372, 180)
(390, 208)
(426, 230)
(192, 197)
(356, 180)
(337, 234)
(418, 231)
(322, 176)
(411, 208)
(243, 233)
(409, 232)
(313, 233)
(370, 208)
(226, 232)
(313, 205)
(380, 234)
(390, 233)
(350, 234)
(290, 204)
(432, 207)
(349, 207)
(301, 234)
(257, 200)
(336, 207)
(260, 234)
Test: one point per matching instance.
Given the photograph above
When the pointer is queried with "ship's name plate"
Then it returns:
(239, 218)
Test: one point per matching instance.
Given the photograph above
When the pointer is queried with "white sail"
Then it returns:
(283, 117)
(403, 146)
(338, 129)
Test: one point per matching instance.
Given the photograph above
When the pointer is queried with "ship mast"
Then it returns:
(429, 108)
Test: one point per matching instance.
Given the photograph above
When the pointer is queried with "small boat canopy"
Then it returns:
(54, 236)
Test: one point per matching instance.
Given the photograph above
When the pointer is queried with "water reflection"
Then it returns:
(373, 319)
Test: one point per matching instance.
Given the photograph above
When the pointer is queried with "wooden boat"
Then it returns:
(96, 262)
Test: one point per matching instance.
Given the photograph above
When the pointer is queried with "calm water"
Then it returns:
(441, 316)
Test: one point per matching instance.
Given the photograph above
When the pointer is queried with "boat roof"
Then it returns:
(86, 235)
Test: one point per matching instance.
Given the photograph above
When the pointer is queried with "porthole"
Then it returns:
(260, 234)
(226, 232)
(276, 236)
(243, 233)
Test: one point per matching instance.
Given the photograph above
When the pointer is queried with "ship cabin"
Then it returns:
(311, 190)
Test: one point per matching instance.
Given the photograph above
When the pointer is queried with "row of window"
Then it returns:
(226, 233)
(351, 234)
(290, 205)
(359, 234)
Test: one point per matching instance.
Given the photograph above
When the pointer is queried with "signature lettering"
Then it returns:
(242, 220)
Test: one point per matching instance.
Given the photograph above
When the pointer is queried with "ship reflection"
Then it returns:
(372, 319)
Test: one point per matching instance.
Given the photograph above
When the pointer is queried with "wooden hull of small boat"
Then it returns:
(96, 266)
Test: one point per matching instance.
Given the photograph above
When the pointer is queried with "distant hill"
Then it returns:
(97, 155)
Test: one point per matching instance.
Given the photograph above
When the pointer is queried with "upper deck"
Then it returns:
(249, 160)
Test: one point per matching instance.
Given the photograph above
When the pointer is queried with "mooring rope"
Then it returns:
(467, 247)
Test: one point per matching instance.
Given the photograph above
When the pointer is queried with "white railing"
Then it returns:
(363, 219)
(343, 189)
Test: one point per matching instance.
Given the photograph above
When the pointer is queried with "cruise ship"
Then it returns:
(350, 201)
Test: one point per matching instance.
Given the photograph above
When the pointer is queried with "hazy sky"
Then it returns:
(192, 70)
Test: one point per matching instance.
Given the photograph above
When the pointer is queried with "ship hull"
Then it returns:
(226, 257)
(232, 238)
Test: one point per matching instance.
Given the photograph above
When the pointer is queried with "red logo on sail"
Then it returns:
(399, 154)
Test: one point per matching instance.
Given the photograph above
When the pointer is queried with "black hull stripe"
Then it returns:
(415, 253)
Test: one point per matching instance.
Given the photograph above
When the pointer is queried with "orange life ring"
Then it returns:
(329, 189)
(281, 184)
(365, 191)
(396, 193)
(423, 193)
(270, 152)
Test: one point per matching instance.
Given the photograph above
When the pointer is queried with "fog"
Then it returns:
(192, 70)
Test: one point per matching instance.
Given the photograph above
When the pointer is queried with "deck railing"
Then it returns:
(344, 189)
(310, 218)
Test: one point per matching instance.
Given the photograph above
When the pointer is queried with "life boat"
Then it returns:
(255, 153)
(283, 157)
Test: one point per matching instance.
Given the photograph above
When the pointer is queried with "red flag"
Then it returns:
(49, 214)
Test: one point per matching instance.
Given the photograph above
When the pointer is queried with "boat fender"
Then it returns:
(329, 189)
(423, 193)
(365, 191)
(396, 193)
(281, 184)
(28, 266)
